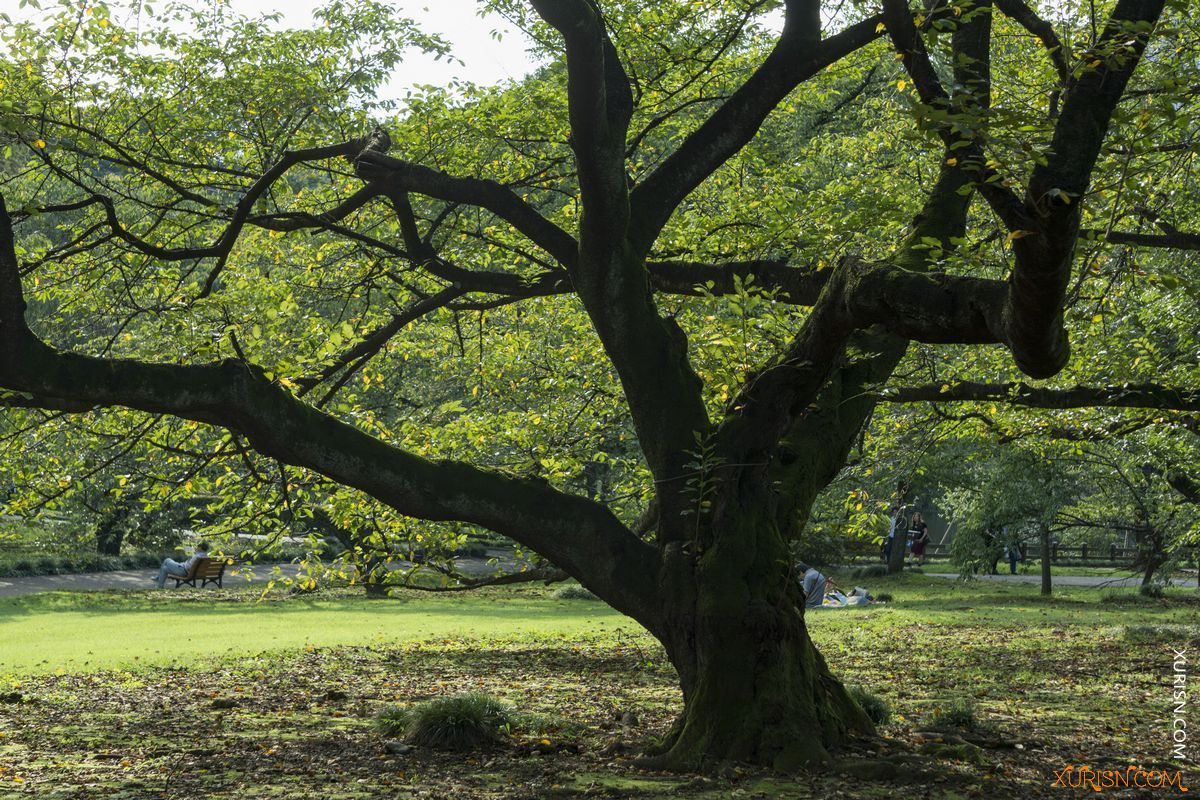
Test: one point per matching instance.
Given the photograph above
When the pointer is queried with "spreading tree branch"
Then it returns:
(797, 56)
(1133, 395)
(576, 534)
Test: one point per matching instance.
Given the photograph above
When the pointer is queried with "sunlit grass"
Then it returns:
(93, 631)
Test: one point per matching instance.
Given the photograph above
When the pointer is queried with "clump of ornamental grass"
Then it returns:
(464, 722)
(956, 714)
(875, 706)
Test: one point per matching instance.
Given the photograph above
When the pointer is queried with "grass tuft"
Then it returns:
(1156, 633)
(1125, 597)
(874, 705)
(957, 714)
(465, 722)
(573, 592)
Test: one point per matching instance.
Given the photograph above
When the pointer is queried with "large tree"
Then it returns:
(653, 117)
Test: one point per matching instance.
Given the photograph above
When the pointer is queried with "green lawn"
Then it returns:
(79, 632)
(104, 630)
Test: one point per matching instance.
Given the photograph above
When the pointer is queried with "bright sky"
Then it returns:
(486, 61)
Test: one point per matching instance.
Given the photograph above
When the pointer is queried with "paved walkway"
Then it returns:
(124, 579)
(1066, 580)
(144, 578)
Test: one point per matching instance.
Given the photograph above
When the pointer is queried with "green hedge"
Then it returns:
(26, 567)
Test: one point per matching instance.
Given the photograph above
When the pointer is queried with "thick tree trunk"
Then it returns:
(755, 687)
(1046, 582)
(109, 537)
(899, 548)
(1150, 541)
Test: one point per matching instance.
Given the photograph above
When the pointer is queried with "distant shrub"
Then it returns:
(1152, 590)
(81, 562)
(17, 569)
(466, 722)
(875, 706)
(573, 592)
(871, 571)
(958, 714)
(884, 597)
(94, 562)
(916, 570)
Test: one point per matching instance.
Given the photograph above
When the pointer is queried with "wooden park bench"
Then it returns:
(205, 570)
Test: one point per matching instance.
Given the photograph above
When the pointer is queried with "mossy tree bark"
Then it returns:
(755, 687)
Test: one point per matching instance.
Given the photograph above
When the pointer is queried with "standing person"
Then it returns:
(918, 531)
(1013, 551)
(920, 538)
(813, 584)
(172, 567)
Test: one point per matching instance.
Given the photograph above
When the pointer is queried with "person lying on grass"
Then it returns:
(172, 567)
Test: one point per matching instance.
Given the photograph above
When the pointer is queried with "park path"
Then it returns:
(144, 578)
(123, 579)
(1065, 580)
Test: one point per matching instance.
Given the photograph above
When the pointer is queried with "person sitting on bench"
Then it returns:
(172, 567)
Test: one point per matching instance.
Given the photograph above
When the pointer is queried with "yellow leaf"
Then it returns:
(951, 162)
(1017, 235)
(880, 28)
(1098, 318)
(40, 144)
(945, 387)
(900, 85)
